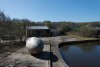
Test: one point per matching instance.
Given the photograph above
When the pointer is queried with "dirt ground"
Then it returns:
(17, 55)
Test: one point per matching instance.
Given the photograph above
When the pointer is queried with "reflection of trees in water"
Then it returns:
(87, 46)
(65, 48)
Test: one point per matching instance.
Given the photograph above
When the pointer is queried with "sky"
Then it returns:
(53, 10)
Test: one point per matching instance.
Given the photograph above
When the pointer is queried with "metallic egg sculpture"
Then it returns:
(34, 45)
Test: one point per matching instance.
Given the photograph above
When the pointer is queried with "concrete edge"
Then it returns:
(62, 63)
(76, 41)
(61, 60)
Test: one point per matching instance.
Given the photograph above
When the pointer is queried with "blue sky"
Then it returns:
(53, 10)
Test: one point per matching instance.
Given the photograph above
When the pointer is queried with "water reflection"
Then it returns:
(81, 54)
(88, 47)
(65, 48)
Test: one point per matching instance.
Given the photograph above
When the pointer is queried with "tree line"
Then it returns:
(18, 26)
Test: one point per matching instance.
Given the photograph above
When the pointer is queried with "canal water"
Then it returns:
(81, 54)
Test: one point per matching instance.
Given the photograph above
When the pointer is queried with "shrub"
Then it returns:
(87, 31)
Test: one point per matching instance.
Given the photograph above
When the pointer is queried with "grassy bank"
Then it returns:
(81, 38)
